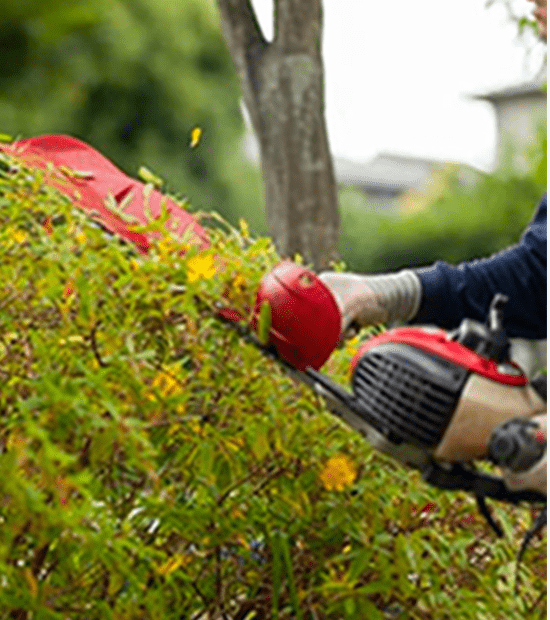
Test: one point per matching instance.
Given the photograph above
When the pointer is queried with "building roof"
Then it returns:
(534, 87)
(386, 171)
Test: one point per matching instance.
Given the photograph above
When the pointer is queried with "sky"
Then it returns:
(398, 75)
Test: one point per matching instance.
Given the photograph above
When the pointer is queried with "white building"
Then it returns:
(520, 113)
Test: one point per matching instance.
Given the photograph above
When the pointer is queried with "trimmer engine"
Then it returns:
(428, 388)
(410, 392)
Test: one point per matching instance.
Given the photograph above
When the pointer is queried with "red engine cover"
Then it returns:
(305, 318)
(438, 343)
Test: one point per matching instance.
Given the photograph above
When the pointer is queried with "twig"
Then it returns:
(93, 343)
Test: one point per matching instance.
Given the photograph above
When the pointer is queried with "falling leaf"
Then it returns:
(196, 134)
(338, 473)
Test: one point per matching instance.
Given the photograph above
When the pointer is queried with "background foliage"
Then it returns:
(132, 78)
(154, 467)
(461, 223)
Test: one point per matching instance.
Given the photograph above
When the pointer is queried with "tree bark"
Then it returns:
(283, 89)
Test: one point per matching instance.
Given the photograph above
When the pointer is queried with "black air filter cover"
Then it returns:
(409, 393)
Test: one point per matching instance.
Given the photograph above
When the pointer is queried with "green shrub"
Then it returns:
(462, 224)
(152, 466)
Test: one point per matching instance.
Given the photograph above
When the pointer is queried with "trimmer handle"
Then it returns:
(516, 445)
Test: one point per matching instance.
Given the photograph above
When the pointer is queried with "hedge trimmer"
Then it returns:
(428, 398)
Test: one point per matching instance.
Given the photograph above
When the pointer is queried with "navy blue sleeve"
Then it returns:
(451, 293)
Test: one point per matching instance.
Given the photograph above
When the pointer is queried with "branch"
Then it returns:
(240, 23)
(247, 45)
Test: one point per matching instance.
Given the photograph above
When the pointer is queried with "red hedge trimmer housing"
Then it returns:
(305, 318)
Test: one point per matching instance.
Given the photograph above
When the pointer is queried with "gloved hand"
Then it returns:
(369, 300)
(534, 478)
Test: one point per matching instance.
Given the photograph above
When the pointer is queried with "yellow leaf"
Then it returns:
(80, 238)
(167, 384)
(261, 447)
(31, 581)
(196, 134)
(173, 564)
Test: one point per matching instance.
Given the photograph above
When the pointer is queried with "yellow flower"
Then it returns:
(201, 267)
(16, 235)
(167, 384)
(239, 284)
(166, 244)
(338, 473)
(80, 237)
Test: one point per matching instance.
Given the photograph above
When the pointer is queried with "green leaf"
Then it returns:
(150, 177)
(285, 550)
(264, 322)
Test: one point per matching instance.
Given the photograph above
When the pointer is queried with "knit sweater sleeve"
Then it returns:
(451, 293)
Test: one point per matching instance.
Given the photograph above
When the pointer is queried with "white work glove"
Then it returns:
(369, 300)
(533, 479)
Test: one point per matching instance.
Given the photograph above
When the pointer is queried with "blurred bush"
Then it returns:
(152, 466)
(132, 78)
(460, 224)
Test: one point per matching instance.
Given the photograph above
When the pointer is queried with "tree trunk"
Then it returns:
(282, 84)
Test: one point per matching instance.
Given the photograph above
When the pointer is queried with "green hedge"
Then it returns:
(154, 467)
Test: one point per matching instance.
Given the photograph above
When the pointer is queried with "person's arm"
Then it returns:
(450, 293)
(444, 294)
